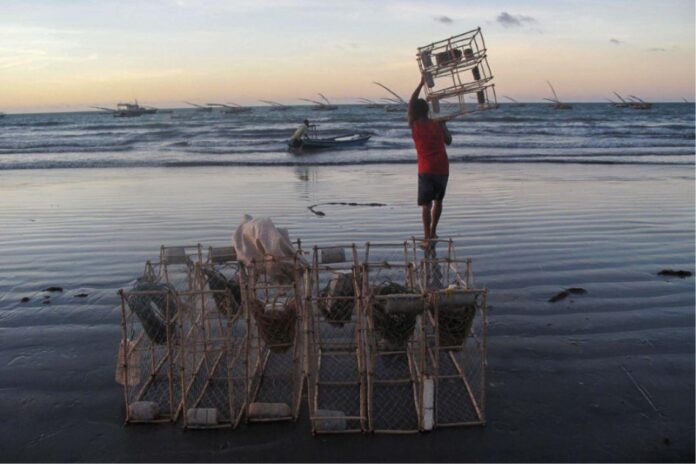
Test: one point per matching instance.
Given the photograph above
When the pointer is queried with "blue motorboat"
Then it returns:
(312, 142)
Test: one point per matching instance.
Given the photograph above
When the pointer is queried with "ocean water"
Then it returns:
(590, 133)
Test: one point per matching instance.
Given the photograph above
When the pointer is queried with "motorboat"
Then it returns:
(312, 142)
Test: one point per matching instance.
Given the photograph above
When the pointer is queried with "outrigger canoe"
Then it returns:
(341, 141)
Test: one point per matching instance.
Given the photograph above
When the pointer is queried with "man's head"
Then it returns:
(306, 122)
(420, 109)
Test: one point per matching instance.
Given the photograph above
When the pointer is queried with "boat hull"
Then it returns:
(345, 141)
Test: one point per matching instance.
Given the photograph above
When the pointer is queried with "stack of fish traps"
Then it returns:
(389, 338)
(456, 67)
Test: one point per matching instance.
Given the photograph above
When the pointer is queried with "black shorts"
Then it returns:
(431, 187)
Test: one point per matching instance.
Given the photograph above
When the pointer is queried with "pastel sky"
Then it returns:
(70, 54)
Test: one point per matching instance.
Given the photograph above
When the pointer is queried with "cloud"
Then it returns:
(508, 20)
(616, 41)
(657, 50)
(443, 19)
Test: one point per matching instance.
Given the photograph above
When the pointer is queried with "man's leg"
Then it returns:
(426, 220)
(437, 211)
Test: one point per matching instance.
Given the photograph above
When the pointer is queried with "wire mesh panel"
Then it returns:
(275, 303)
(456, 67)
(455, 330)
(336, 381)
(393, 338)
(214, 357)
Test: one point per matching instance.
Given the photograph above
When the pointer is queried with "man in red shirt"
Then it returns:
(430, 138)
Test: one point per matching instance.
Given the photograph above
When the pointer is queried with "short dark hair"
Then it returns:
(420, 109)
(306, 122)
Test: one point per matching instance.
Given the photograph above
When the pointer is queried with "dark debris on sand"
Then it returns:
(53, 289)
(673, 273)
(341, 203)
(567, 292)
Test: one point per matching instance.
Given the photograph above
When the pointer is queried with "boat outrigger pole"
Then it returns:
(401, 100)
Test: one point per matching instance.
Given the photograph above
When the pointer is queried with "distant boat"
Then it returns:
(371, 103)
(129, 110)
(622, 103)
(321, 105)
(275, 106)
(397, 105)
(201, 108)
(556, 103)
(638, 104)
(230, 108)
(514, 102)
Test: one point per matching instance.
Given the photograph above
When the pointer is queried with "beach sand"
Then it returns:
(558, 387)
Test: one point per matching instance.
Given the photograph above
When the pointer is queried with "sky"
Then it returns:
(63, 55)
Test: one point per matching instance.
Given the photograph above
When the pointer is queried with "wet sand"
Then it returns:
(558, 389)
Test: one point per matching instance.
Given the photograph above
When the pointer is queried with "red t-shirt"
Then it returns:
(430, 146)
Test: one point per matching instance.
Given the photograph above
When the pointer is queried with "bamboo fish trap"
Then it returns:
(214, 349)
(455, 328)
(336, 378)
(456, 67)
(275, 308)
(150, 349)
(393, 339)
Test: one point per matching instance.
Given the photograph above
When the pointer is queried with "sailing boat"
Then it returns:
(638, 104)
(557, 104)
(275, 106)
(230, 108)
(514, 102)
(397, 105)
(201, 108)
(371, 103)
(321, 106)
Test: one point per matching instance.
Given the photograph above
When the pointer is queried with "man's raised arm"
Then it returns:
(412, 101)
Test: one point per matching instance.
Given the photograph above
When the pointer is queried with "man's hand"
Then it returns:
(446, 133)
